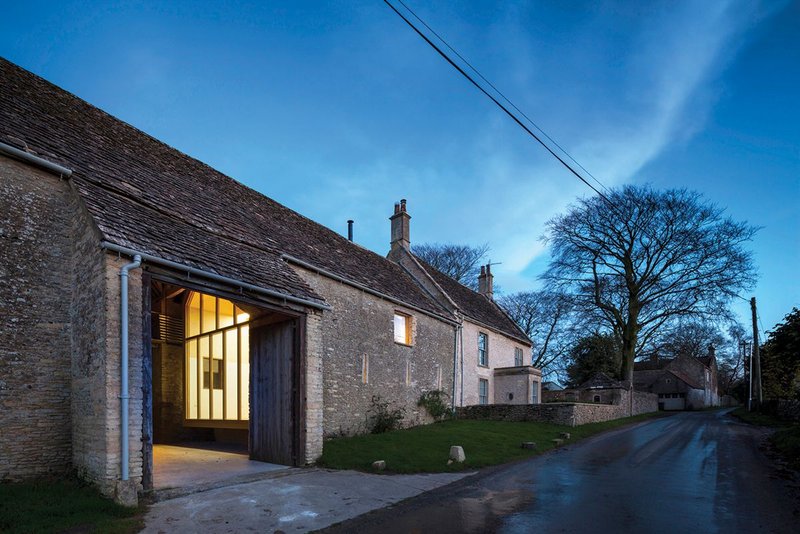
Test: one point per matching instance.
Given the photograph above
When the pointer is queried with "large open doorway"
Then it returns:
(226, 379)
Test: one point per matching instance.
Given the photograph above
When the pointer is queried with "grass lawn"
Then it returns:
(63, 505)
(786, 438)
(425, 449)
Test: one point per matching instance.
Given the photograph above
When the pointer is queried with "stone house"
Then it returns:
(493, 360)
(681, 383)
(147, 299)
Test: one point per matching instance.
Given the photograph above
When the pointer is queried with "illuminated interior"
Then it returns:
(402, 328)
(217, 345)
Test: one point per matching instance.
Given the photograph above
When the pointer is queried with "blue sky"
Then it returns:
(337, 109)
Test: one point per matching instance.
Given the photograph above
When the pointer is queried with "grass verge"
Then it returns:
(785, 439)
(63, 505)
(425, 449)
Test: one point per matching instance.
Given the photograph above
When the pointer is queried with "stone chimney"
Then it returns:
(712, 350)
(486, 281)
(400, 226)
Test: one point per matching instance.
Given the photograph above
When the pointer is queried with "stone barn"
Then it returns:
(150, 304)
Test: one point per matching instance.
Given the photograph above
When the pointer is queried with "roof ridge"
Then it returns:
(491, 302)
(68, 93)
(126, 165)
(194, 159)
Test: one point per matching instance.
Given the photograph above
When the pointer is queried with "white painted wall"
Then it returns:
(501, 354)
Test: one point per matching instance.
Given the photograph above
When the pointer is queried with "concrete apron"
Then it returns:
(294, 499)
(182, 470)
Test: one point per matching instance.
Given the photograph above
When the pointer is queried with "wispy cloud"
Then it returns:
(663, 93)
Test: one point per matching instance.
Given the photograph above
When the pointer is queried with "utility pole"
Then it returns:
(749, 353)
(756, 357)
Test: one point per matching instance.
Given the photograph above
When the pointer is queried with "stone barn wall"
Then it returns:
(360, 326)
(35, 321)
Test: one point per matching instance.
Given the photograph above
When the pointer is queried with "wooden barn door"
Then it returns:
(274, 393)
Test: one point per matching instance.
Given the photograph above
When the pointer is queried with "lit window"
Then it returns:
(483, 350)
(217, 350)
(402, 328)
(518, 358)
(483, 391)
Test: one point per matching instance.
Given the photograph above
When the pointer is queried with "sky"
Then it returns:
(338, 110)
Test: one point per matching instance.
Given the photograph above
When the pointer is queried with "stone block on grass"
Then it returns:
(457, 453)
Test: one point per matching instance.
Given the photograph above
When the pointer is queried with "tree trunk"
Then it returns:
(630, 335)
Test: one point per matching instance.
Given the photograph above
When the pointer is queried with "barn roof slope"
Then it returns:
(148, 196)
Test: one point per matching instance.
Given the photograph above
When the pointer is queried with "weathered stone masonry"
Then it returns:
(35, 312)
(564, 413)
(59, 344)
(359, 325)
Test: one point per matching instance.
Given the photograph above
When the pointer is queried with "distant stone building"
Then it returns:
(599, 389)
(681, 383)
(135, 275)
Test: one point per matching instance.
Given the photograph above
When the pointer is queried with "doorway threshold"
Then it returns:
(193, 467)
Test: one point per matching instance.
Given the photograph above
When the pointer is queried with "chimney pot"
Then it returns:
(400, 226)
(486, 281)
(350, 229)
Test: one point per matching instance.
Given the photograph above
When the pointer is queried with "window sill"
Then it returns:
(483, 366)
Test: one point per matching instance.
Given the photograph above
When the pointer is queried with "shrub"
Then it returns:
(434, 403)
(382, 418)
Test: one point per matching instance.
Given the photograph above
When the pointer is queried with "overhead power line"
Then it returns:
(492, 97)
(503, 96)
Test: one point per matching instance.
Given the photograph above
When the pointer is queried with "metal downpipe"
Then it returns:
(123, 383)
(455, 364)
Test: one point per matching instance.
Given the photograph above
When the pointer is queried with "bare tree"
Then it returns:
(545, 317)
(730, 360)
(459, 262)
(690, 338)
(645, 258)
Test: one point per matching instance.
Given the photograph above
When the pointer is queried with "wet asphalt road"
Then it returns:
(689, 472)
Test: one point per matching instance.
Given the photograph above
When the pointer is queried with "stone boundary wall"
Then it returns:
(782, 408)
(561, 413)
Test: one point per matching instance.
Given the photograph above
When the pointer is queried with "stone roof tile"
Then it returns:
(474, 305)
(149, 196)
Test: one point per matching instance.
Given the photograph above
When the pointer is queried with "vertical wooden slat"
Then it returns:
(273, 392)
(224, 371)
(198, 363)
(210, 379)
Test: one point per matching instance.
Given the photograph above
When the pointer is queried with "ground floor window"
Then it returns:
(217, 349)
(534, 392)
(483, 391)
